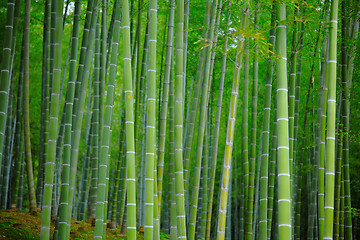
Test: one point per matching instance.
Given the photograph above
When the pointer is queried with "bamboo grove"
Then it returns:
(205, 119)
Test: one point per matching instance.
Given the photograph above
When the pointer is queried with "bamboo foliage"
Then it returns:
(292, 182)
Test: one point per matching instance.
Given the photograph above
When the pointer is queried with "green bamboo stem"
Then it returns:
(6, 157)
(188, 106)
(331, 111)
(15, 188)
(342, 207)
(109, 33)
(47, 96)
(119, 164)
(245, 132)
(94, 159)
(84, 190)
(8, 151)
(18, 139)
(338, 174)
(171, 153)
(342, 77)
(123, 190)
(299, 180)
(283, 175)
(202, 122)
(190, 123)
(139, 108)
(79, 103)
(52, 34)
(14, 157)
(5, 73)
(19, 201)
(322, 112)
(166, 202)
(161, 83)
(186, 36)
(137, 48)
(47, 101)
(156, 214)
(14, 35)
(103, 55)
(252, 157)
(82, 200)
(217, 127)
(84, 45)
(82, 187)
(230, 134)
(101, 203)
(228, 233)
(26, 117)
(129, 116)
(346, 115)
(96, 128)
(57, 6)
(265, 135)
(151, 126)
(135, 56)
(120, 161)
(297, 164)
(204, 185)
(140, 130)
(65, 177)
(292, 87)
(178, 121)
(164, 105)
(242, 207)
(141, 174)
(44, 108)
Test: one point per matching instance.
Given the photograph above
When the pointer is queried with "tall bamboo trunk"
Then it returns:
(331, 111)
(129, 116)
(5, 73)
(226, 170)
(57, 7)
(283, 175)
(28, 159)
(164, 105)
(265, 135)
(214, 149)
(178, 121)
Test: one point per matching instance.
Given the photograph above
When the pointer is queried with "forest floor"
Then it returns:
(22, 225)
